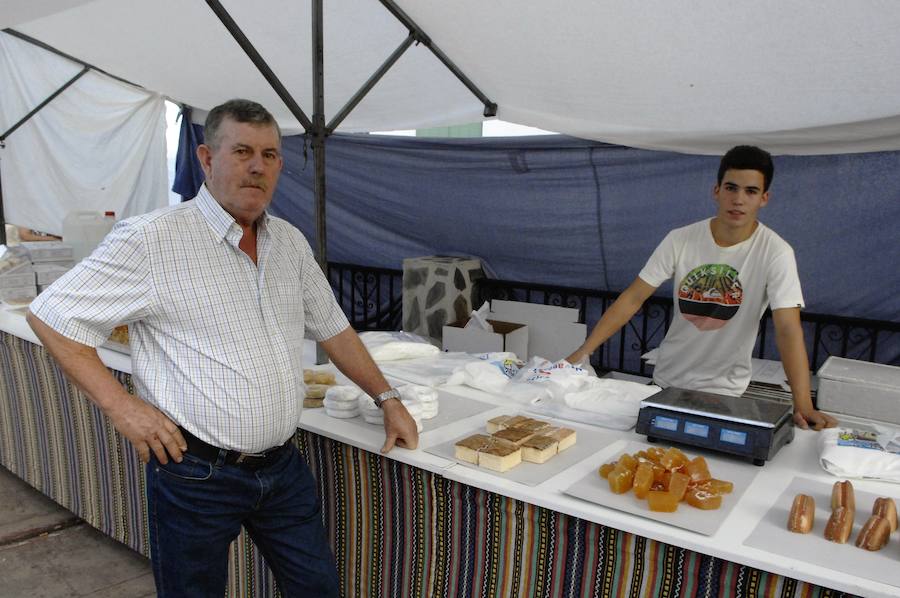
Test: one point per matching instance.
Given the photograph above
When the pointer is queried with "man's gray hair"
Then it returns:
(238, 110)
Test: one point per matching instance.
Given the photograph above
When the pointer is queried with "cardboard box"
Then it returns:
(860, 388)
(507, 336)
(553, 332)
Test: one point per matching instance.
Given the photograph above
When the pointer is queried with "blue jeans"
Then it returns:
(196, 508)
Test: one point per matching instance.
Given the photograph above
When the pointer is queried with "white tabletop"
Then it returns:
(799, 458)
(796, 459)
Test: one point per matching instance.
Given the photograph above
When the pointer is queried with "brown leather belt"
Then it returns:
(251, 461)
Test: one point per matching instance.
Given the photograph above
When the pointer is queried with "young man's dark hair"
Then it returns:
(748, 157)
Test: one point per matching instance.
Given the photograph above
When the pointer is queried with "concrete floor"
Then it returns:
(47, 552)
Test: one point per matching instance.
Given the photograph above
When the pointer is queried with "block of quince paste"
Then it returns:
(500, 455)
(532, 425)
(497, 423)
(565, 437)
(467, 448)
(515, 435)
(538, 449)
(514, 421)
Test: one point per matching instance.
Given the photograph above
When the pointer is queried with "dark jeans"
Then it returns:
(196, 508)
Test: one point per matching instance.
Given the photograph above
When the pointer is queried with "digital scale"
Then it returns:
(751, 428)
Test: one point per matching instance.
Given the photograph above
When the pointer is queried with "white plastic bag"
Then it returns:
(491, 372)
(575, 393)
(395, 345)
(558, 378)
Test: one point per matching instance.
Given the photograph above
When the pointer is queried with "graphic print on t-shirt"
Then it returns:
(710, 295)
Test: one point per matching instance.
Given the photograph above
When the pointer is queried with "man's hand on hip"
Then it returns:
(399, 426)
(147, 428)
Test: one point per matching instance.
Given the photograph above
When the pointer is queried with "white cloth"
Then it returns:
(433, 370)
(850, 453)
(100, 144)
(614, 397)
(216, 341)
(832, 86)
(727, 289)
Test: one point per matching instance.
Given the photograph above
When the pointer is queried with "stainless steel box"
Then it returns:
(860, 388)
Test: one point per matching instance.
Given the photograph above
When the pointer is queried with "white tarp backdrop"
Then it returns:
(100, 145)
(802, 77)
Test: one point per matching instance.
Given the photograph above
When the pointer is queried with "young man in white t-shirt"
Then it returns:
(727, 270)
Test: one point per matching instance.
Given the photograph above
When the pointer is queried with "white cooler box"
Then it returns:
(860, 388)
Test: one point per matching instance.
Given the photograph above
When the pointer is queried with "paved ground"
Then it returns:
(47, 552)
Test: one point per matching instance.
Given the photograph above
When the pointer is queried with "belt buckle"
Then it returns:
(243, 456)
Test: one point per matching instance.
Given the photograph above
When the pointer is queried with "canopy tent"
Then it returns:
(805, 77)
(97, 144)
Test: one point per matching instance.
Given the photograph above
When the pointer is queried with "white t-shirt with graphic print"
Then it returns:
(720, 294)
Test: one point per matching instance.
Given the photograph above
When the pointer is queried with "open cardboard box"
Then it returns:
(507, 336)
(553, 332)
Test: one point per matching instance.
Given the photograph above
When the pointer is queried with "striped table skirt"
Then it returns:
(396, 530)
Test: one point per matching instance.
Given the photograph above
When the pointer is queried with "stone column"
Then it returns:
(437, 290)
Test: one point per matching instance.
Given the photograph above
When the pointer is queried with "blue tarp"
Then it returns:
(558, 210)
(188, 174)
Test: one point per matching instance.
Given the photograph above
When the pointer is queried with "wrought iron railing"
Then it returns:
(857, 338)
(372, 300)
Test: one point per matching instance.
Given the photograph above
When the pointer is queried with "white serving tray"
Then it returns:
(771, 534)
(588, 442)
(595, 489)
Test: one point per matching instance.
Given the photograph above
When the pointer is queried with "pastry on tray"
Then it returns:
(515, 435)
(488, 452)
(319, 377)
(539, 449)
(802, 515)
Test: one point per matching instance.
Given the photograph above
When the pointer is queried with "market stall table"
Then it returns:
(414, 523)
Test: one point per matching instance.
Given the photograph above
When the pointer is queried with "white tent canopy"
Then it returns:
(99, 145)
(803, 77)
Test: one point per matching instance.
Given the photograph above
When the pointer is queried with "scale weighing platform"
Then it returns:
(751, 428)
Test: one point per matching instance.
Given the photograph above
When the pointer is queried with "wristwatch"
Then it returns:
(391, 393)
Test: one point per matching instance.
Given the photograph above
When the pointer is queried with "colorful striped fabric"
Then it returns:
(397, 531)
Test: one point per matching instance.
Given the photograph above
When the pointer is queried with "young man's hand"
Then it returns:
(399, 426)
(813, 418)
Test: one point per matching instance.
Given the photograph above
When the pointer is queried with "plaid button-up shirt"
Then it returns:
(216, 340)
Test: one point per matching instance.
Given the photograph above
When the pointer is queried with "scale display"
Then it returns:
(751, 428)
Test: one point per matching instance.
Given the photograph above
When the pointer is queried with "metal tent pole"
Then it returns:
(318, 131)
(490, 108)
(316, 128)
